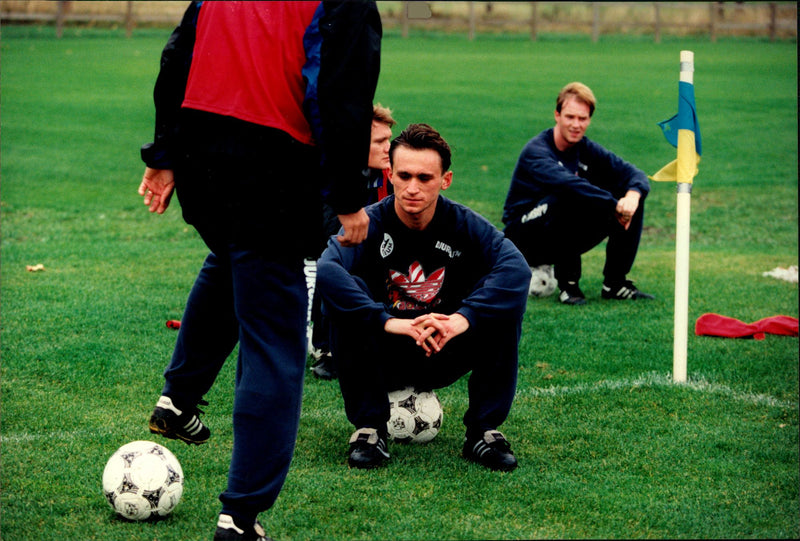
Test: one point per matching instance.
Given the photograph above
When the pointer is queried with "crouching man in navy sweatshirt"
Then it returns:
(567, 195)
(433, 293)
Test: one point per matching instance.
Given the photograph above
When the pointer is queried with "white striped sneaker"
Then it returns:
(623, 291)
(571, 294)
(367, 449)
(173, 423)
(492, 451)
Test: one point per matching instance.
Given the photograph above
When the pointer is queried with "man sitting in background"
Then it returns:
(568, 194)
(377, 174)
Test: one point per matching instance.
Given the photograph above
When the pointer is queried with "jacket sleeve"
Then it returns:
(501, 293)
(616, 174)
(347, 295)
(348, 75)
(538, 164)
(170, 89)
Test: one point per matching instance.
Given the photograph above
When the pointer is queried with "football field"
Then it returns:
(608, 445)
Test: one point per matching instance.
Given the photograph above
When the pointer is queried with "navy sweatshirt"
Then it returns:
(586, 170)
(459, 263)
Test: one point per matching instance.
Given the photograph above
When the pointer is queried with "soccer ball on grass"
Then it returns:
(543, 282)
(414, 416)
(143, 480)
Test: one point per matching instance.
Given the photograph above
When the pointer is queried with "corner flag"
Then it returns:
(683, 132)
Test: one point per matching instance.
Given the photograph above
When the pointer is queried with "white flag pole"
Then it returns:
(683, 218)
(681, 332)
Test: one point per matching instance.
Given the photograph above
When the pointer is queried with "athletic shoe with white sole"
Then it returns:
(323, 367)
(174, 423)
(492, 451)
(571, 294)
(227, 530)
(624, 290)
(367, 449)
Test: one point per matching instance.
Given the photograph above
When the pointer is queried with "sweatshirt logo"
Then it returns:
(415, 291)
(447, 249)
(582, 166)
(537, 212)
(387, 245)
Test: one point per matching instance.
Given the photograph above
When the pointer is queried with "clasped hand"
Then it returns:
(430, 331)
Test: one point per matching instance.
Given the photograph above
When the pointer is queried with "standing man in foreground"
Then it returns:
(434, 292)
(255, 103)
(567, 194)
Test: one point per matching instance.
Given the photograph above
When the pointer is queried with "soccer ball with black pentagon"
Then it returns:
(143, 480)
(414, 416)
(543, 281)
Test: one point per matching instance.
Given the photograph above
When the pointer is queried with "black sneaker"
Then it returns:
(173, 423)
(571, 294)
(492, 451)
(623, 291)
(228, 531)
(367, 449)
(323, 367)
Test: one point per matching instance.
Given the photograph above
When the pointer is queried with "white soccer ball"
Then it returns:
(143, 480)
(414, 416)
(543, 281)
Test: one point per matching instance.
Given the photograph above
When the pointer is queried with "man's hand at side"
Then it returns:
(356, 227)
(156, 188)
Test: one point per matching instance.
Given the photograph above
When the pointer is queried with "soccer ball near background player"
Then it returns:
(543, 282)
(414, 416)
(143, 480)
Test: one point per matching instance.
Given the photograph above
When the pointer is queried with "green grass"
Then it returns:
(609, 447)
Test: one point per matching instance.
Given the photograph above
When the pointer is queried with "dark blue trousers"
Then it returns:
(567, 230)
(241, 296)
(371, 364)
(252, 194)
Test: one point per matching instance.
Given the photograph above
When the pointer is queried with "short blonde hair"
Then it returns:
(580, 92)
(383, 115)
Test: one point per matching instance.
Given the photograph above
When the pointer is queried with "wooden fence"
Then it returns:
(775, 20)
(769, 19)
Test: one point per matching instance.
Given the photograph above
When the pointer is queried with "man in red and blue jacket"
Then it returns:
(255, 103)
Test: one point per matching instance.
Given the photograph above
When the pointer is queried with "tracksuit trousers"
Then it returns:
(565, 231)
(251, 193)
(239, 296)
(371, 365)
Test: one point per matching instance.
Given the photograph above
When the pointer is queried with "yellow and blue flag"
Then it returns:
(683, 132)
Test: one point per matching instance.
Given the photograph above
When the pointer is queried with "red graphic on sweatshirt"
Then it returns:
(415, 291)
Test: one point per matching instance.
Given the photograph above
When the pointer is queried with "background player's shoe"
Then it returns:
(174, 423)
(571, 294)
(323, 367)
(623, 291)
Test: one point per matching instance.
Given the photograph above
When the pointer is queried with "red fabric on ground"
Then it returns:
(728, 327)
